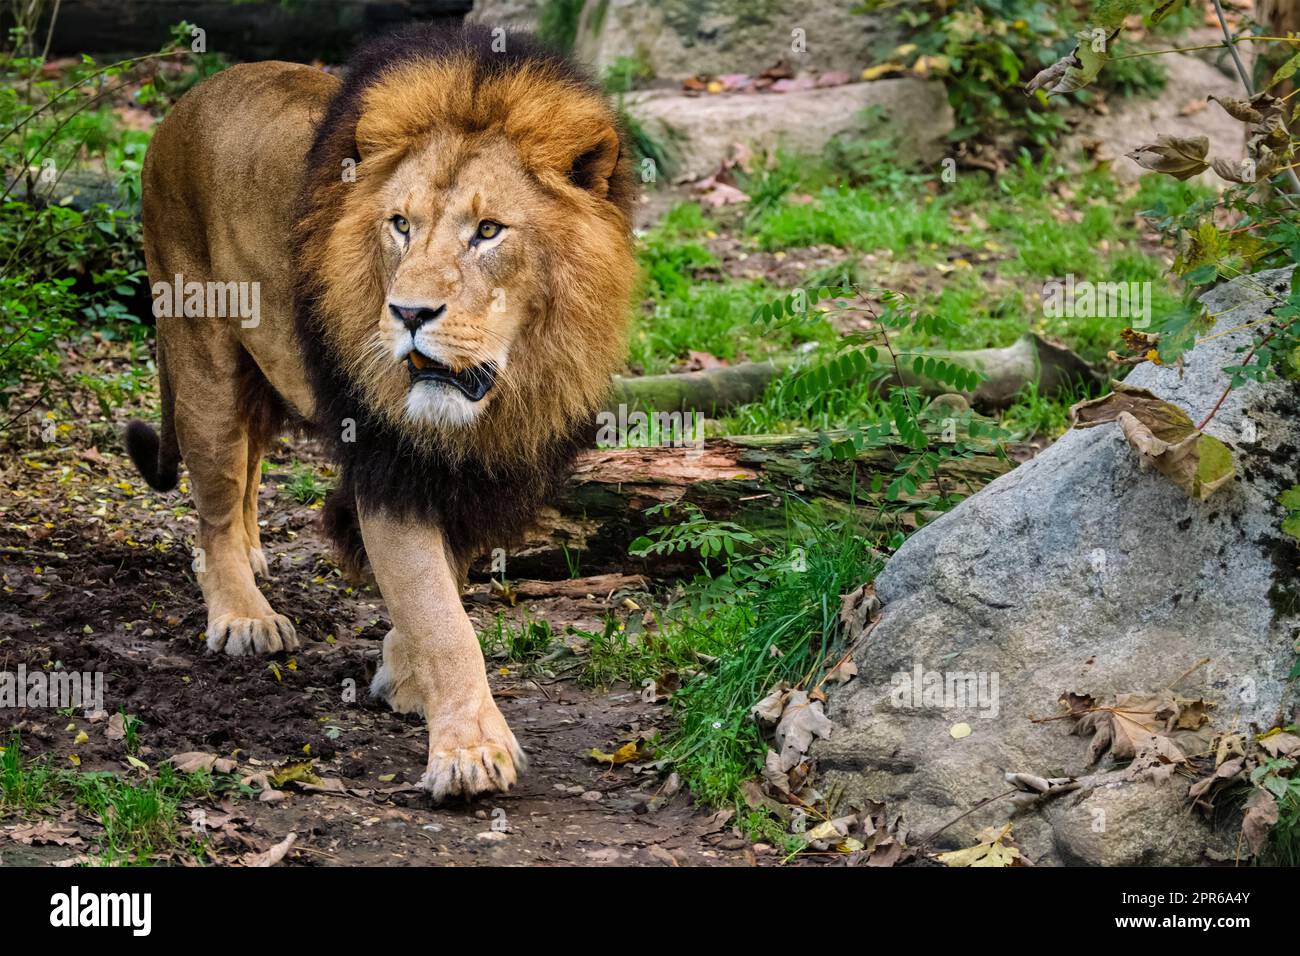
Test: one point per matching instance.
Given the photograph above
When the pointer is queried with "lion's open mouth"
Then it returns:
(473, 382)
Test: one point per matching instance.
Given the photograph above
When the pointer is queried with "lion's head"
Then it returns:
(464, 254)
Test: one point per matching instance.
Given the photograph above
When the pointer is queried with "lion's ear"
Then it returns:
(593, 166)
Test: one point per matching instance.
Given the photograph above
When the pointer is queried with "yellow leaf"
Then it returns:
(81, 738)
(74, 760)
(876, 72)
(990, 851)
(294, 773)
(622, 755)
(136, 762)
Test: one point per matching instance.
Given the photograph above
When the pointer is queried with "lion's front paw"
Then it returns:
(251, 635)
(478, 758)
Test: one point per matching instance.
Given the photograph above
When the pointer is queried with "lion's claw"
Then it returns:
(467, 771)
(238, 636)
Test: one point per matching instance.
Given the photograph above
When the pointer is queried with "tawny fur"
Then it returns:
(246, 181)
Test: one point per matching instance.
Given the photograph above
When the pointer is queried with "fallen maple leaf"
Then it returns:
(992, 850)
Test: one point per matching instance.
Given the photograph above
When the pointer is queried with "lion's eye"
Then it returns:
(401, 225)
(487, 229)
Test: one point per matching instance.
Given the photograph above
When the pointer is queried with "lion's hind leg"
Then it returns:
(252, 482)
(214, 433)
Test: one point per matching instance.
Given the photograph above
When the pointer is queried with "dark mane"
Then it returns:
(480, 504)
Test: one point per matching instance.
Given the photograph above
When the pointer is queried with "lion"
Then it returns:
(439, 253)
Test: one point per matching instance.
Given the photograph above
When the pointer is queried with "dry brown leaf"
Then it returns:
(843, 672)
(859, 608)
(1163, 436)
(193, 761)
(1239, 109)
(769, 709)
(801, 721)
(1259, 819)
(46, 833)
(1281, 744)
(272, 856)
(1077, 704)
(1200, 464)
(1177, 156)
(115, 729)
(1139, 724)
(1226, 771)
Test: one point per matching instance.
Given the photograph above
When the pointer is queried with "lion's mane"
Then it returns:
(484, 483)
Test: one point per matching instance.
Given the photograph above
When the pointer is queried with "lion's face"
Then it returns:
(463, 235)
(474, 277)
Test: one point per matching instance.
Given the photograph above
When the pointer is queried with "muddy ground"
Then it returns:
(95, 576)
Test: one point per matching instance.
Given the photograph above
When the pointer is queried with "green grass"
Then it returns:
(716, 746)
(305, 486)
(140, 817)
(1284, 841)
(998, 241)
(520, 642)
(719, 637)
(782, 410)
(1035, 416)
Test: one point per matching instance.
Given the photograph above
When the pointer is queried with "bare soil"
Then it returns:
(95, 576)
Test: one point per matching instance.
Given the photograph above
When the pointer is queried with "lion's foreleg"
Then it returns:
(432, 660)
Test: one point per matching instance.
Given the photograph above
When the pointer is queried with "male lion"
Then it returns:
(441, 248)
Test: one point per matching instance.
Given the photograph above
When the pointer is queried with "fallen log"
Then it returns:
(1032, 360)
(250, 30)
(746, 480)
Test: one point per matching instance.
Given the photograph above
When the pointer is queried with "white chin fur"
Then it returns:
(431, 403)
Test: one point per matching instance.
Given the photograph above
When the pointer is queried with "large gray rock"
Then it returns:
(514, 14)
(681, 38)
(703, 129)
(1079, 571)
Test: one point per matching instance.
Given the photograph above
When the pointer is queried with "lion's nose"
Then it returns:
(414, 316)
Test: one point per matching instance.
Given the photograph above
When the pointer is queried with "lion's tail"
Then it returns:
(156, 458)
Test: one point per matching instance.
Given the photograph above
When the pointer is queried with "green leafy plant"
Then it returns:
(691, 530)
(521, 643)
(876, 355)
(305, 486)
(65, 272)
